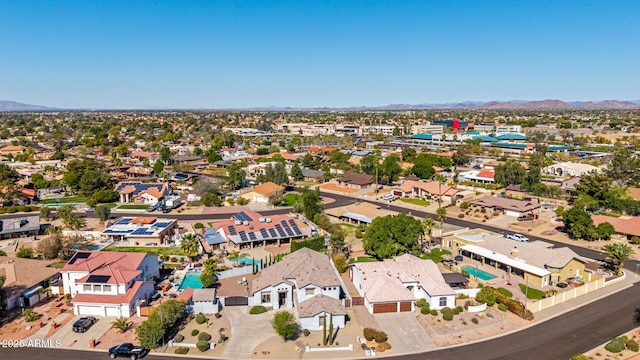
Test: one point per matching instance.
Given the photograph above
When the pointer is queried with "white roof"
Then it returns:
(517, 263)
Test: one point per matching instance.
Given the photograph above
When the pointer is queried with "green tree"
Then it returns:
(578, 222)
(208, 275)
(459, 159)
(235, 256)
(619, 253)
(70, 220)
(45, 212)
(368, 164)
(392, 235)
(311, 203)
(441, 214)
(605, 230)
(211, 199)
(103, 212)
(285, 324)
(235, 176)
(390, 168)
(296, 172)
(409, 154)
(158, 167)
(511, 172)
(190, 244)
(122, 324)
(277, 174)
(25, 253)
(594, 185)
(151, 331)
(337, 242)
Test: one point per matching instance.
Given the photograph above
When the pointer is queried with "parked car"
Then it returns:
(525, 218)
(89, 209)
(518, 237)
(152, 208)
(128, 350)
(562, 285)
(83, 324)
(388, 197)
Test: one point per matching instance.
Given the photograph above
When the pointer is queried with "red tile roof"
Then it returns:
(96, 259)
(626, 226)
(487, 174)
(109, 299)
(186, 295)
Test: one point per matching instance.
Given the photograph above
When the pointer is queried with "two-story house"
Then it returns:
(306, 280)
(109, 283)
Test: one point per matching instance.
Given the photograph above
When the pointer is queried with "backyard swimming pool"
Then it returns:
(192, 280)
(246, 261)
(90, 247)
(478, 273)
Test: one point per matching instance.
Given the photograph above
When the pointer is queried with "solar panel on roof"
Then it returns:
(242, 216)
(100, 279)
(252, 236)
(297, 230)
(232, 230)
(123, 221)
(273, 233)
(243, 236)
(292, 223)
(264, 233)
(289, 231)
(78, 256)
(280, 231)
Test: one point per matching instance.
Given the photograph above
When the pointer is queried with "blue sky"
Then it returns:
(230, 54)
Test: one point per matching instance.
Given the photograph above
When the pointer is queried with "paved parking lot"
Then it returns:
(405, 332)
(81, 340)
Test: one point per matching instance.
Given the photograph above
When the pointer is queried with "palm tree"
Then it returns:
(121, 324)
(236, 255)
(619, 253)
(190, 245)
(427, 224)
(442, 215)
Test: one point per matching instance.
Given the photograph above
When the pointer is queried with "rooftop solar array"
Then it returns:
(124, 221)
(264, 233)
(79, 255)
(139, 187)
(112, 231)
(252, 236)
(242, 216)
(162, 224)
(243, 236)
(143, 232)
(232, 230)
(100, 279)
(273, 234)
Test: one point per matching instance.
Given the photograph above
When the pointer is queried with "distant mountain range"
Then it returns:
(481, 105)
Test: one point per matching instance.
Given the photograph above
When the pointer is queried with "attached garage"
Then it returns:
(112, 311)
(90, 310)
(385, 308)
(405, 306)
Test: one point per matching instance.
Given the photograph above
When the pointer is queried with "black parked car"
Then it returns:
(83, 324)
(561, 285)
(128, 350)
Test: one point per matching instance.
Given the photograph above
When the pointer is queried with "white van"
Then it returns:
(388, 197)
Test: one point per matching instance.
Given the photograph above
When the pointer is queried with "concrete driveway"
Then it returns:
(405, 332)
(70, 339)
(247, 331)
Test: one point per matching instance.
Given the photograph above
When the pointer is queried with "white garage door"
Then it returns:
(90, 310)
(113, 311)
(512, 213)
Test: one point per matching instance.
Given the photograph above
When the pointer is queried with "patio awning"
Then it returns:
(515, 263)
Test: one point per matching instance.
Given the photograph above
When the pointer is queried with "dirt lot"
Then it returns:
(462, 328)
(114, 337)
(600, 353)
(19, 329)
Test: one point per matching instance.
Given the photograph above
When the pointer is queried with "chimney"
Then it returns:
(515, 253)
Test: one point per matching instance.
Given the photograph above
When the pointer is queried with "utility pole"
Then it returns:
(526, 296)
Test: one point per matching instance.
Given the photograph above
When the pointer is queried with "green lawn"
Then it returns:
(158, 250)
(435, 255)
(532, 293)
(133, 207)
(415, 201)
(361, 259)
(72, 199)
(291, 199)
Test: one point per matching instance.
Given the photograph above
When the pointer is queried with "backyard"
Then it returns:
(291, 199)
(157, 250)
(435, 255)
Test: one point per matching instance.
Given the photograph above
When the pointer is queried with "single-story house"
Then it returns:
(141, 230)
(262, 193)
(24, 278)
(307, 281)
(356, 180)
(421, 189)
(394, 286)
(569, 169)
(483, 176)
(509, 207)
(142, 193)
(313, 175)
(628, 226)
(362, 213)
(19, 226)
(205, 301)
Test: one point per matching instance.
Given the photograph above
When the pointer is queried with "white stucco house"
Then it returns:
(394, 286)
(307, 281)
(109, 283)
(205, 301)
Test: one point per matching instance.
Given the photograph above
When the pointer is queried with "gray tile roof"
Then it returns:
(321, 303)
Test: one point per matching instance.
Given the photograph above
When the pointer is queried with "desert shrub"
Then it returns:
(616, 345)
(201, 318)
(502, 307)
(198, 226)
(447, 316)
(178, 338)
(464, 205)
(446, 310)
(174, 259)
(458, 309)
(580, 357)
(486, 295)
(505, 292)
(202, 345)
(386, 345)
(30, 315)
(181, 350)
(363, 346)
(380, 337)
(380, 348)
(635, 239)
(421, 302)
(195, 332)
(461, 215)
(425, 310)
(434, 312)
(306, 332)
(633, 345)
(369, 333)
(358, 234)
(204, 336)
(258, 309)
(475, 320)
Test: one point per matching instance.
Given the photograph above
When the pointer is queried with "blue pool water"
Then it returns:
(191, 280)
(90, 247)
(246, 261)
(478, 273)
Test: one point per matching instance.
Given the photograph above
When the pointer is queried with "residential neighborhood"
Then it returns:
(314, 232)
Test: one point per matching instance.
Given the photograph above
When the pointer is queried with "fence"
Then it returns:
(243, 270)
(538, 305)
